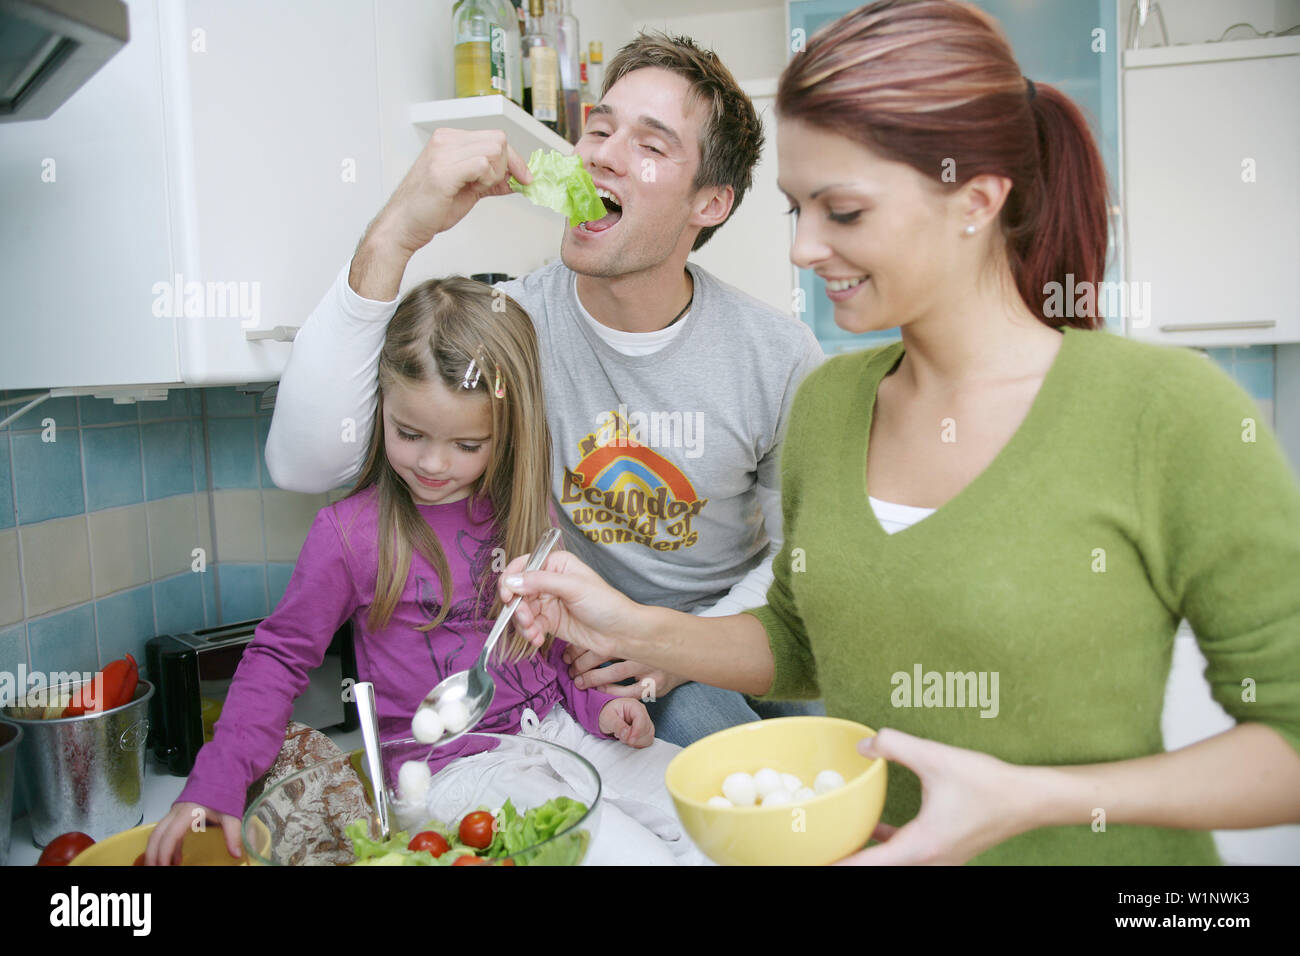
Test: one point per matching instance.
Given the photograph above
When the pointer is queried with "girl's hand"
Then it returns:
(571, 601)
(164, 847)
(629, 721)
(969, 803)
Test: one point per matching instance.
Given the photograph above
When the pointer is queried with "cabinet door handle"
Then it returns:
(1218, 326)
(280, 333)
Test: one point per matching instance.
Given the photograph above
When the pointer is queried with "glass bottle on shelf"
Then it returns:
(508, 19)
(479, 49)
(596, 69)
(567, 46)
(541, 70)
(584, 90)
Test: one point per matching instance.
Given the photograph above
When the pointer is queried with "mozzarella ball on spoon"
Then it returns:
(427, 726)
(454, 714)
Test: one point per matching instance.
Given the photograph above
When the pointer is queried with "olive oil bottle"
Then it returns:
(479, 49)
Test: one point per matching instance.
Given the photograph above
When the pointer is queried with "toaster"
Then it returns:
(191, 673)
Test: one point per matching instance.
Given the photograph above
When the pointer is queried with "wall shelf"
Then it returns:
(524, 133)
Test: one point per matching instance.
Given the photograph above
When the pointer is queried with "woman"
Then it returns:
(993, 528)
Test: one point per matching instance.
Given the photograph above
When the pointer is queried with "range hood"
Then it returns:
(49, 48)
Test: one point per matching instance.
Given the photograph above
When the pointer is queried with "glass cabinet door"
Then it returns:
(1070, 44)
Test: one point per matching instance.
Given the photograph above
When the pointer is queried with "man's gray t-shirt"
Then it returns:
(655, 458)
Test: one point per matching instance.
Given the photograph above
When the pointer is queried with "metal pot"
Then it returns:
(10, 735)
(85, 773)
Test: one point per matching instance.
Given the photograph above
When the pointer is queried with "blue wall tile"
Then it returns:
(177, 405)
(227, 401)
(64, 641)
(103, 411)
(62, 410)
(113, 473)
(1262, 352)
(168, 461)
(6, 485)
(47, 475)
(277, 580)
(13, 651)
(243, 592)
(179, 601)
(263, 429)
(234, 452)
(125, 623)
(211, 613)
(1255, 377)
(199, 453)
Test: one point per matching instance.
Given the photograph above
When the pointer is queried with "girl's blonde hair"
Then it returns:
(439, 328)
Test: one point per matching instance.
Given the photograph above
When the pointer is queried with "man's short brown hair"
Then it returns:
(732, 138)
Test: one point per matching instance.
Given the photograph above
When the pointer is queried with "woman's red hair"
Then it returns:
(933, 83)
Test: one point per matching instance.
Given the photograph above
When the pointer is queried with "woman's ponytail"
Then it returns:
(1063, 236)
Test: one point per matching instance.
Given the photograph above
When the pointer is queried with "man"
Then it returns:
(667, 390)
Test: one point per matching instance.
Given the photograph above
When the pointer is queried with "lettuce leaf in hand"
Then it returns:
(560, 183)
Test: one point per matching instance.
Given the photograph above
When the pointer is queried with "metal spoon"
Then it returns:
(475, 687)
(365, 697)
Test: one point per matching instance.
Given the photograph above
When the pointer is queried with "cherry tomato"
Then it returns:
(430, 841)
(139, 860)
(476, 829)
(470, 861)
(63, 848)
(507, 862)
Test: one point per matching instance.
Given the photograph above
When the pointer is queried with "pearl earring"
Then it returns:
(970, 230)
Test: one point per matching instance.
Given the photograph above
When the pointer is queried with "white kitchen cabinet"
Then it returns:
(231, 149)
(1212, 199)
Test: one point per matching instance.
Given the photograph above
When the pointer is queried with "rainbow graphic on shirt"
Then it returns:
(624, 492)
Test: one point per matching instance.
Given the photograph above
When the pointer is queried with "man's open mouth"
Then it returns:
(613, 215)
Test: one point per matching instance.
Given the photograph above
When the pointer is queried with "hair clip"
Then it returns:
(472, 374)
(499, 387)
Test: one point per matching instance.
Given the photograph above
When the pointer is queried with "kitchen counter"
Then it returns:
(160, 791)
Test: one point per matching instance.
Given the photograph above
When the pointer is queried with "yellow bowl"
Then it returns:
(818, 831)
(204, 848)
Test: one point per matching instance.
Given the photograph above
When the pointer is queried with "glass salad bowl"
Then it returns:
(528, 784)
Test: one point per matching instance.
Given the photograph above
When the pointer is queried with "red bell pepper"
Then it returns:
(129, 681)
(111, 687)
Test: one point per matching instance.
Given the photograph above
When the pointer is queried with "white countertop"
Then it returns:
(160, 791)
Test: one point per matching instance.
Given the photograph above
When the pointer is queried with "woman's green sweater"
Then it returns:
(1141, 489)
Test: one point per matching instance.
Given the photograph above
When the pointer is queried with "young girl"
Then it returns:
(455, 482)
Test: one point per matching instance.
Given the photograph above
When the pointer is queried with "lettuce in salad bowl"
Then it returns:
(544, 835)
(542, 804)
